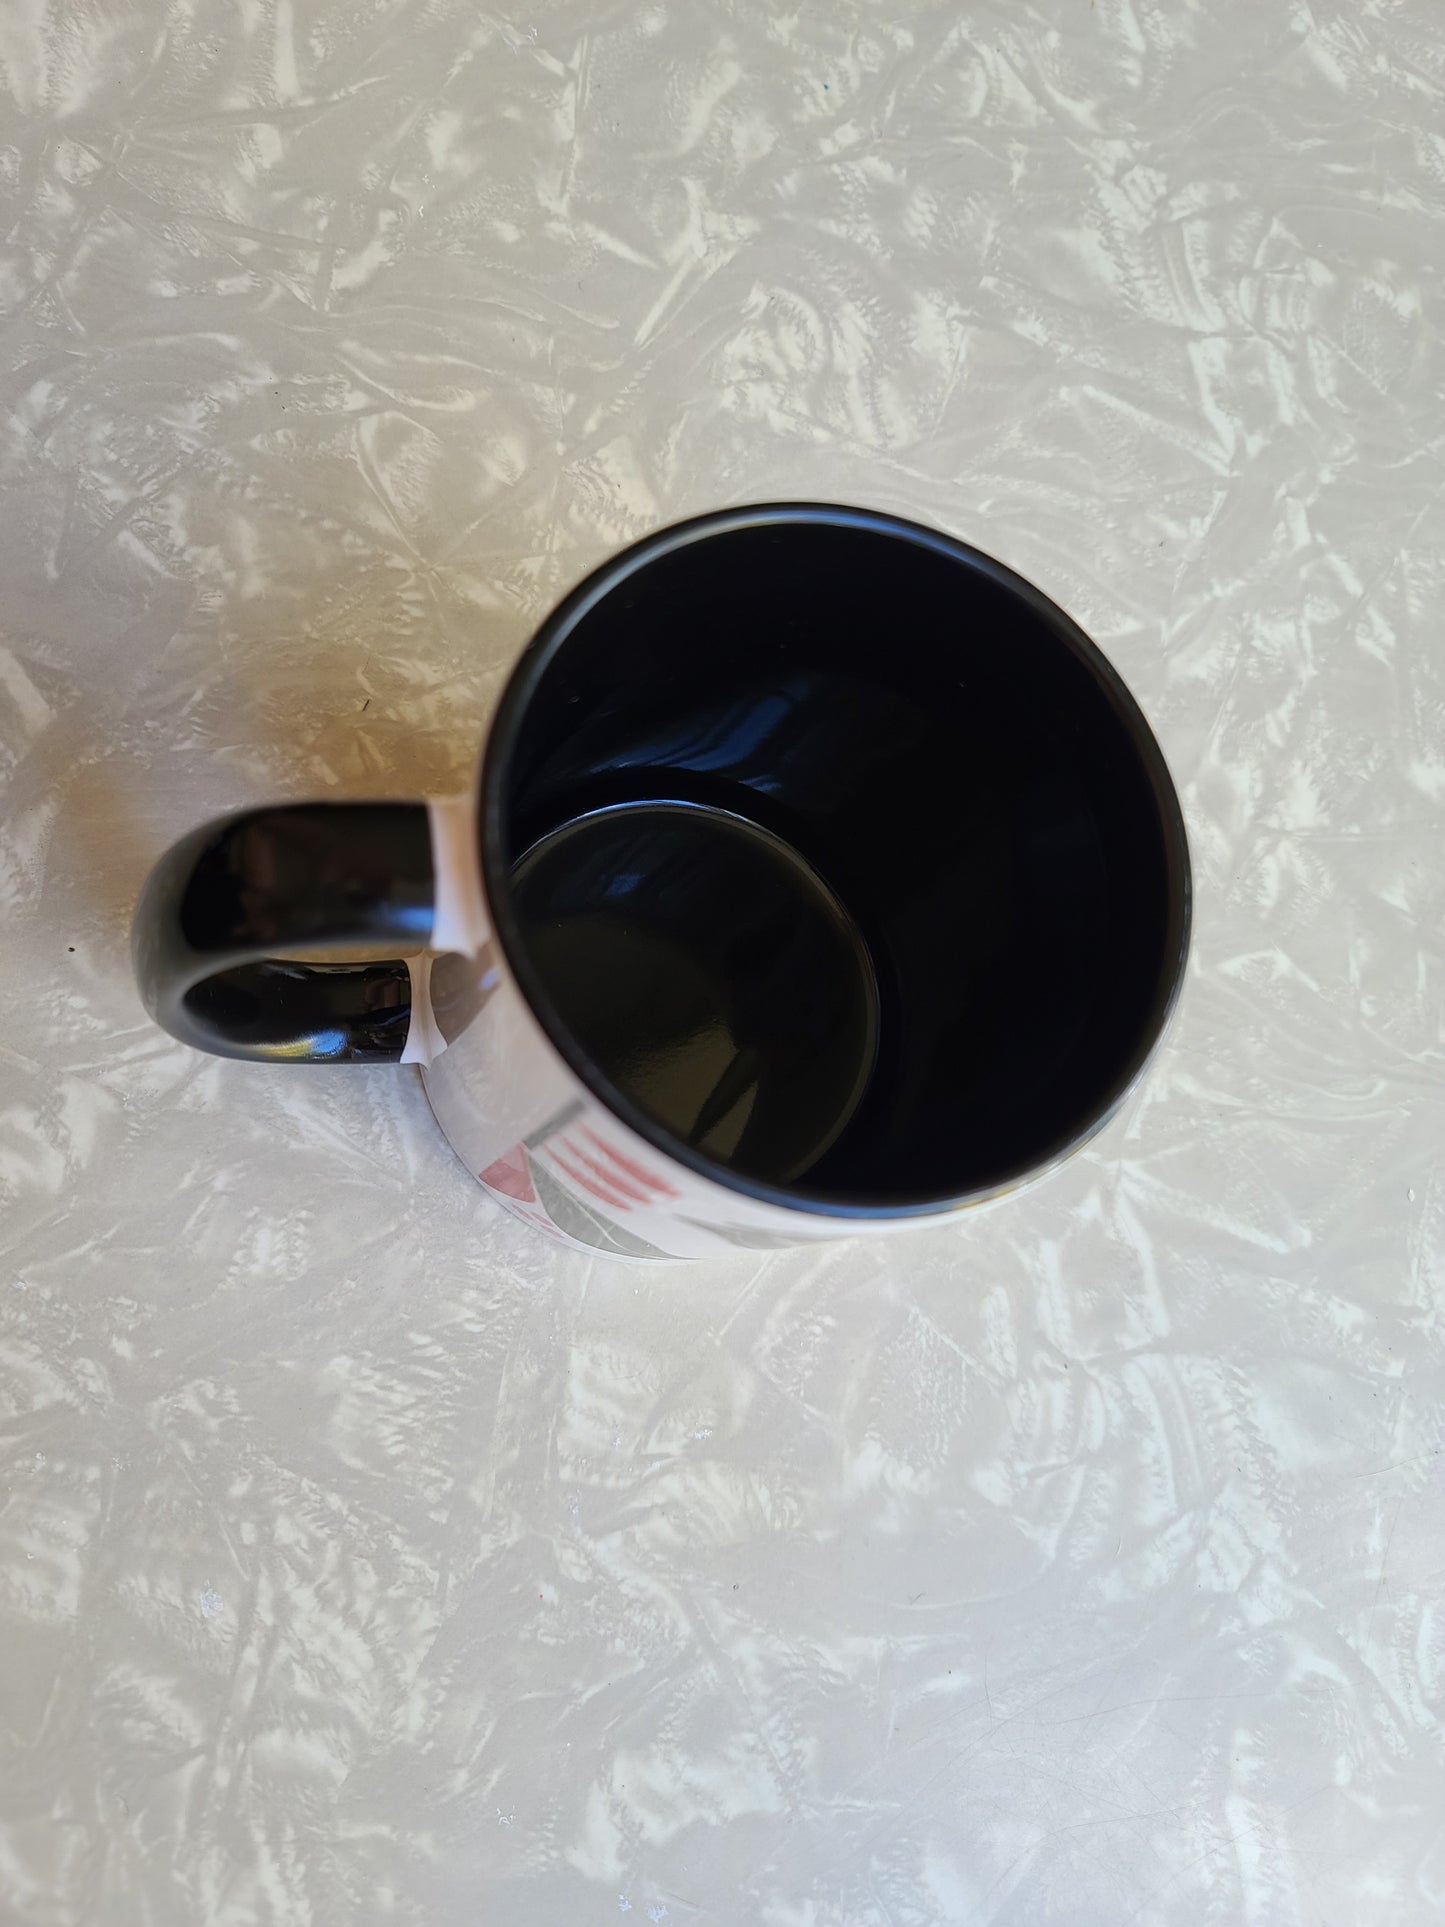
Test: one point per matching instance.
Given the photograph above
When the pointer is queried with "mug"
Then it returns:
(821, 877)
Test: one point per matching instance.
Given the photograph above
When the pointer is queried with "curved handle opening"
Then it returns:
(225, 900)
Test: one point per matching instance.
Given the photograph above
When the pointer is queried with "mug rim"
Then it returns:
(491, 805)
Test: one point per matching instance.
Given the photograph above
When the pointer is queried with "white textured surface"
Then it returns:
(364, 1558)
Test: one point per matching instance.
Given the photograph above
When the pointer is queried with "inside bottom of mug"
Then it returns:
(711, 976)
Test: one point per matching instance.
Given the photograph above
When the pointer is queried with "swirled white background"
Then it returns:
(363, 1558)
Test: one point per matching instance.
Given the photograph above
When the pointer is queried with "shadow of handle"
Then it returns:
(226, 899)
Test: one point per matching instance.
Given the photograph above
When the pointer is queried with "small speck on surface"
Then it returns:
(211, 1603)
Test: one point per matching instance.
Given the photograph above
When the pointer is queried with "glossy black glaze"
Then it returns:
(952, 756)
(712, 976)
(304, 876)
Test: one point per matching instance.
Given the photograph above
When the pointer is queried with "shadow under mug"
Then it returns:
(822, 876)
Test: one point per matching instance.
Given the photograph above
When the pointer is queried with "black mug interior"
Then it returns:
(945, 750)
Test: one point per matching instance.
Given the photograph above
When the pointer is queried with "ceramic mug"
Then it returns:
(821, 877)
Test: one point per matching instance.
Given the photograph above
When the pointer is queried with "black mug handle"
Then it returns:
(223, 901)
